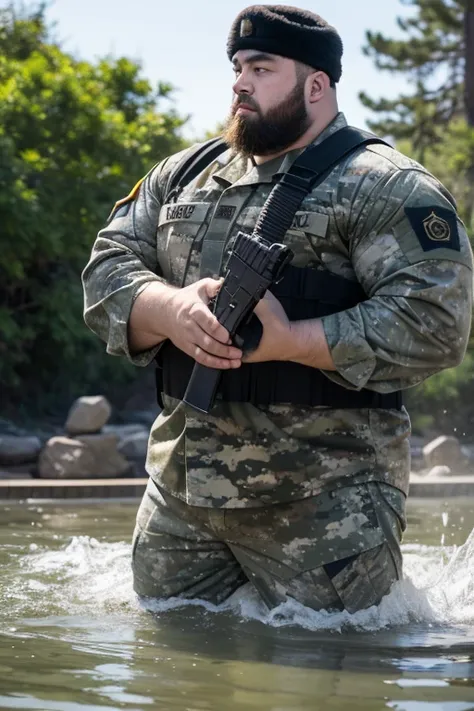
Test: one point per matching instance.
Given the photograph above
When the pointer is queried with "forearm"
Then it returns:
(391, 343)
(309, 346)
(388, 343)
(147, 325)
(113, 282)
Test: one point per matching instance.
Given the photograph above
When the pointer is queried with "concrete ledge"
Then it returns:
(20, 489)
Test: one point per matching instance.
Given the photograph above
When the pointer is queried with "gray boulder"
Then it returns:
(444, 451)
(84, 457)
(19, 450)
(124, 432)
(88, 415)
(109, 462)
(135, 446)
(439, 470)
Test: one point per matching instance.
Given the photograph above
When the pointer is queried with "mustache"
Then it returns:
(244, 100)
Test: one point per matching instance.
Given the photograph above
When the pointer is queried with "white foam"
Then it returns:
(91, 576)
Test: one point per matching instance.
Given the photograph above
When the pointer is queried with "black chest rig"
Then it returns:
(305, 293)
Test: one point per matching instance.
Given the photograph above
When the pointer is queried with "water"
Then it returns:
(73, 636)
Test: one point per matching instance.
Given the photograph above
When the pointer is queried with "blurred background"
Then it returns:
(94, 93)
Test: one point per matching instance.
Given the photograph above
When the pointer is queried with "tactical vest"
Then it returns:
(305, 293)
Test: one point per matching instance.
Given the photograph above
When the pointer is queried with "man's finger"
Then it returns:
(208, 322)
(201, 356)
(213, 347)
(196, 337)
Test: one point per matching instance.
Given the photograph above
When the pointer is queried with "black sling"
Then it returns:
(282, 382)
(196, 161)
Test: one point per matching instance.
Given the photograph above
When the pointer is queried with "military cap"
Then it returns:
(289, 32)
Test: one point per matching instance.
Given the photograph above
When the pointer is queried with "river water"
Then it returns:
(73, 636)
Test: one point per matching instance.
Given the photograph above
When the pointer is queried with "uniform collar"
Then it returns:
(243, 171)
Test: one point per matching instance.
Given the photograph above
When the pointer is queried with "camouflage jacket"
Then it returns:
(379, 218)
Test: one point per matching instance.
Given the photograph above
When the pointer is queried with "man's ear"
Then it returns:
(319, 86)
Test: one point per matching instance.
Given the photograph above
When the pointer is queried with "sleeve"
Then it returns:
(122, 263)
(411, 254)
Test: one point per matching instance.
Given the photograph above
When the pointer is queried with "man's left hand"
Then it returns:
(276, 337)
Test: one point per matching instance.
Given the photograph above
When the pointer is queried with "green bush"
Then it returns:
(74, 138)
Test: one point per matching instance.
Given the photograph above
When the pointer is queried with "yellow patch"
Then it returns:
(131, 195)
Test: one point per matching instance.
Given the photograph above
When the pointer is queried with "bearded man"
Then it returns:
(296, 480)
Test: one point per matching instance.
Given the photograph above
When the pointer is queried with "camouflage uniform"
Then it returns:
(280, 494)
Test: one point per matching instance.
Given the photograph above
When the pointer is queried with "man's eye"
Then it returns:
(260, 70)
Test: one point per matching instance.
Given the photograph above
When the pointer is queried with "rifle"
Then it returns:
(253, 265)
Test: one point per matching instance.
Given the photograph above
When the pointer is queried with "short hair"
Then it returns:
(304, 70)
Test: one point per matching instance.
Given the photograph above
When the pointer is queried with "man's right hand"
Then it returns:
(194, 329)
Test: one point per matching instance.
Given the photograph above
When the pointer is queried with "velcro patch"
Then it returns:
(183, 212)
(435, 227)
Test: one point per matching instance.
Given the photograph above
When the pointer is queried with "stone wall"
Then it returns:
(87, 447)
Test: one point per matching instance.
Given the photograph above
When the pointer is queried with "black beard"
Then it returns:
(258, 135)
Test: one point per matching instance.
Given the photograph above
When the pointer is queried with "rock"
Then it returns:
(109, 461)
(124, 432)
(439, 470)
(18, 471)
(416, 447)
(19, 450)
(444, 451)
(65, 458)
(138, 469)
(146, 418)
(8, 427)
(85, 457)
(468, 452)
(135, 446)
(88, 415)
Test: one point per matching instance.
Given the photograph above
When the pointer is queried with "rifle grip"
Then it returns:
(202, 387)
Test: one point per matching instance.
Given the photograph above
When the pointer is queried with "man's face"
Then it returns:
(269, 111)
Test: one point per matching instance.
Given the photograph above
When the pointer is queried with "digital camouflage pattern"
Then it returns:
(378, 218)
(329, 552)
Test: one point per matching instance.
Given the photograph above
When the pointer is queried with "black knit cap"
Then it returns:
(289, 32)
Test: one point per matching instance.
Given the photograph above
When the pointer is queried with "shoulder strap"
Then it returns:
(196, 161)
(323, 157)
(308, 170)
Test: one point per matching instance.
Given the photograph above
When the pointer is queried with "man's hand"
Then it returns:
(297, 341)
(193, 328)
(275, 341)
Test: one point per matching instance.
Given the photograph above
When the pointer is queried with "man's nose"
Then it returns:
(242, 85)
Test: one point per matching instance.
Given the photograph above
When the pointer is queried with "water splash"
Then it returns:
(88, 576)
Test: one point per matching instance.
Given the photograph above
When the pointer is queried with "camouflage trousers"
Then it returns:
(339, 550)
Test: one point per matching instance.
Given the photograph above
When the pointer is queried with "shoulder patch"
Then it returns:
(122, 206)
(435, 227)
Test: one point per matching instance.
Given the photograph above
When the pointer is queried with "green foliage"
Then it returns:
(430, 125)
(74, 138)
(450, 159)
(217, 131)
(432, 57)
(445, 399)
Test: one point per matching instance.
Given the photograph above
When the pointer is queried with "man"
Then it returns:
(302, 494)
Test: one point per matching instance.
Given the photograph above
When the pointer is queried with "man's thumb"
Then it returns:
(211, 287)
